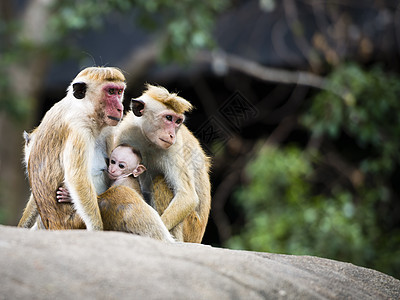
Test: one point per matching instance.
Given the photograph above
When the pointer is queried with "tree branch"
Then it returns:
(266, 73)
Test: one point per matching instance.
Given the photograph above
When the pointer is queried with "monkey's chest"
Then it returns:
(99, 165)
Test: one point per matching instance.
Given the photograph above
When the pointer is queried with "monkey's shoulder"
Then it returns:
(128, 131)
(62, 118)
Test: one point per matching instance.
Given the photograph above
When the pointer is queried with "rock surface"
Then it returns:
(115, 265)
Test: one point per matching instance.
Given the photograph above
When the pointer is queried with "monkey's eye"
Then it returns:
(121, 166)
(120, 91)
(179, 121)
(111, 91)
(168, 117)
(112, 162)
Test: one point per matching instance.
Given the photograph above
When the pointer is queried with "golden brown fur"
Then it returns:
(170, 100)
(102, 74)
(48, 176)
(182, 195)
(123, 209)
(30, 214)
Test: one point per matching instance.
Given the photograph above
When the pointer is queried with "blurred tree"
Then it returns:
(34, 33)
(337, 197)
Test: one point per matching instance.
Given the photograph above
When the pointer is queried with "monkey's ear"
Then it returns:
(137, 107)
(79, 89)
(139, 170)
(27, 137)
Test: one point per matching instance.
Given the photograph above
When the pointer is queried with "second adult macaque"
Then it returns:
(155, 127)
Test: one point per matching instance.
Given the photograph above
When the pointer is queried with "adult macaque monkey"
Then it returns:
(70, 148)
(155, 127)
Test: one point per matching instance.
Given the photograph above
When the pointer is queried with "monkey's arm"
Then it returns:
(184, 201)
(76, 158)
(30, 214)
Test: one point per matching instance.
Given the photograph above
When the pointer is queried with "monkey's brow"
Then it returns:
(112, 79)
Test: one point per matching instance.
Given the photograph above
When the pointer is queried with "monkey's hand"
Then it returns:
(63, 195)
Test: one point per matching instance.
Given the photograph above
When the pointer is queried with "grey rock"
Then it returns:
(114, 265)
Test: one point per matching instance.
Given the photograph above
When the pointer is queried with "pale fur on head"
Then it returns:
(98, 74)
(170, 100)
(101, 74)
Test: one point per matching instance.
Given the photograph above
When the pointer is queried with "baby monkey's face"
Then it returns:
(123, 162)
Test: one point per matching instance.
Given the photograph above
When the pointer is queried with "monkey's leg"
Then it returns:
(122, 209)
(161, 194)
(31, 218)
(30, 214)
(193, 228)
(38, 224)
(177, 232)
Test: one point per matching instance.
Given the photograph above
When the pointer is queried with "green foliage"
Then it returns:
(185, 25)
(368, 113)
(293, 204)
(285, 217)
(190, 26)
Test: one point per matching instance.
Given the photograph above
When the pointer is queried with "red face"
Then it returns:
(113, 94)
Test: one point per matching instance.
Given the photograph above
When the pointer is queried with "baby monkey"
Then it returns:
(123, 169)
(124, 162)
(122, 206)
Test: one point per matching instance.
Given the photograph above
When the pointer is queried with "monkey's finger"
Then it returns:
(64, 200)
(63, 192)
(62, 197)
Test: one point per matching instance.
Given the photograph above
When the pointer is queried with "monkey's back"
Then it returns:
(194, 225)
(46, 173)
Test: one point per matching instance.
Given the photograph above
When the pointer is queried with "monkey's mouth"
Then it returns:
(114, 118)
(111, 176)
(169, 143)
